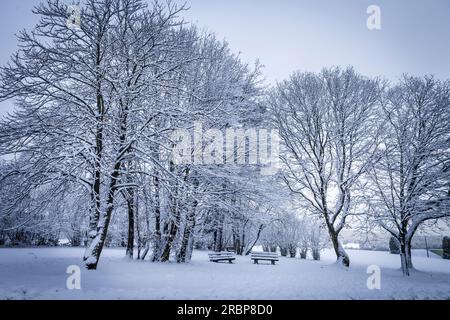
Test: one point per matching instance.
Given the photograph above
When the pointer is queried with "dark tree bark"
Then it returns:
(218, 245)
(172, 226)
(316, 254)
(341, 255)
(292, 250)
(303, 253)
(187, 234)
(131, 223)
(157, 241)
(96, 247)
(446, 248)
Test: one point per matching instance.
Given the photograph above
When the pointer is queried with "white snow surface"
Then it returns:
(40, 273)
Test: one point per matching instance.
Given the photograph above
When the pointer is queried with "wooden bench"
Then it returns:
(264, 256)
(221, 256)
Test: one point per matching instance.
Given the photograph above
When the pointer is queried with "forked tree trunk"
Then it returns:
(170, 231)
(94, 250)
(341, 255)
(167, 247)
(403, 255)
(187, 234)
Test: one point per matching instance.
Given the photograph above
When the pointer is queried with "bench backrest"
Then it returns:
(220, 254)
(265, 255)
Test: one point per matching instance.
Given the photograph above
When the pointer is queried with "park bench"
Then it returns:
(221, 256)
(264, 256)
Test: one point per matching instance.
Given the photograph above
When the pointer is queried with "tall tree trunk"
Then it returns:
(403, 255)
(243, 244)
(408, 254)
(303, 253)
(258, 235)
(408, 240)
(341, 255)
(187, 234)
(146, 237)
(171, 229)
(140, 242)
(96, 213)
(94, 250)
(190, 248)
(157, 241)
(316, 254)
(292, 250)
(236, 240)
(218, 247)
(131, 223)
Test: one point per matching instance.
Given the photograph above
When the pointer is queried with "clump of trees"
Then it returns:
(92, 133)
(394, 246)
(446, 248)
(359, 149)
(291, 233)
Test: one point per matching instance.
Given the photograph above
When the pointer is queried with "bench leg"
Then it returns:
(230, 261)
(256, 262)
(273, 262)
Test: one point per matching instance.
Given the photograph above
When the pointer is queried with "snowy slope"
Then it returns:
(40, 274)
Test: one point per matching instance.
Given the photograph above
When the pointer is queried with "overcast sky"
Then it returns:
(288, 35)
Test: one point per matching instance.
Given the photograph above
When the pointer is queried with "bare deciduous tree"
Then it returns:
(328, 123)
(410, 183)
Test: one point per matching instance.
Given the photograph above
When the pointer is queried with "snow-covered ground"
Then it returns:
(41, 274)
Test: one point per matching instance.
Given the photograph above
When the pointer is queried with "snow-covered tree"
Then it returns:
(328, 124)
(410, 183)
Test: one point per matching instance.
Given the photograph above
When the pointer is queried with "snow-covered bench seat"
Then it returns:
(264, 256)
(221, 256)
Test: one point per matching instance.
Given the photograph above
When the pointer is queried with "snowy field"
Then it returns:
(41, 274)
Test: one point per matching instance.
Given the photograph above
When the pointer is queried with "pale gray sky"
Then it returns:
(288, 35)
